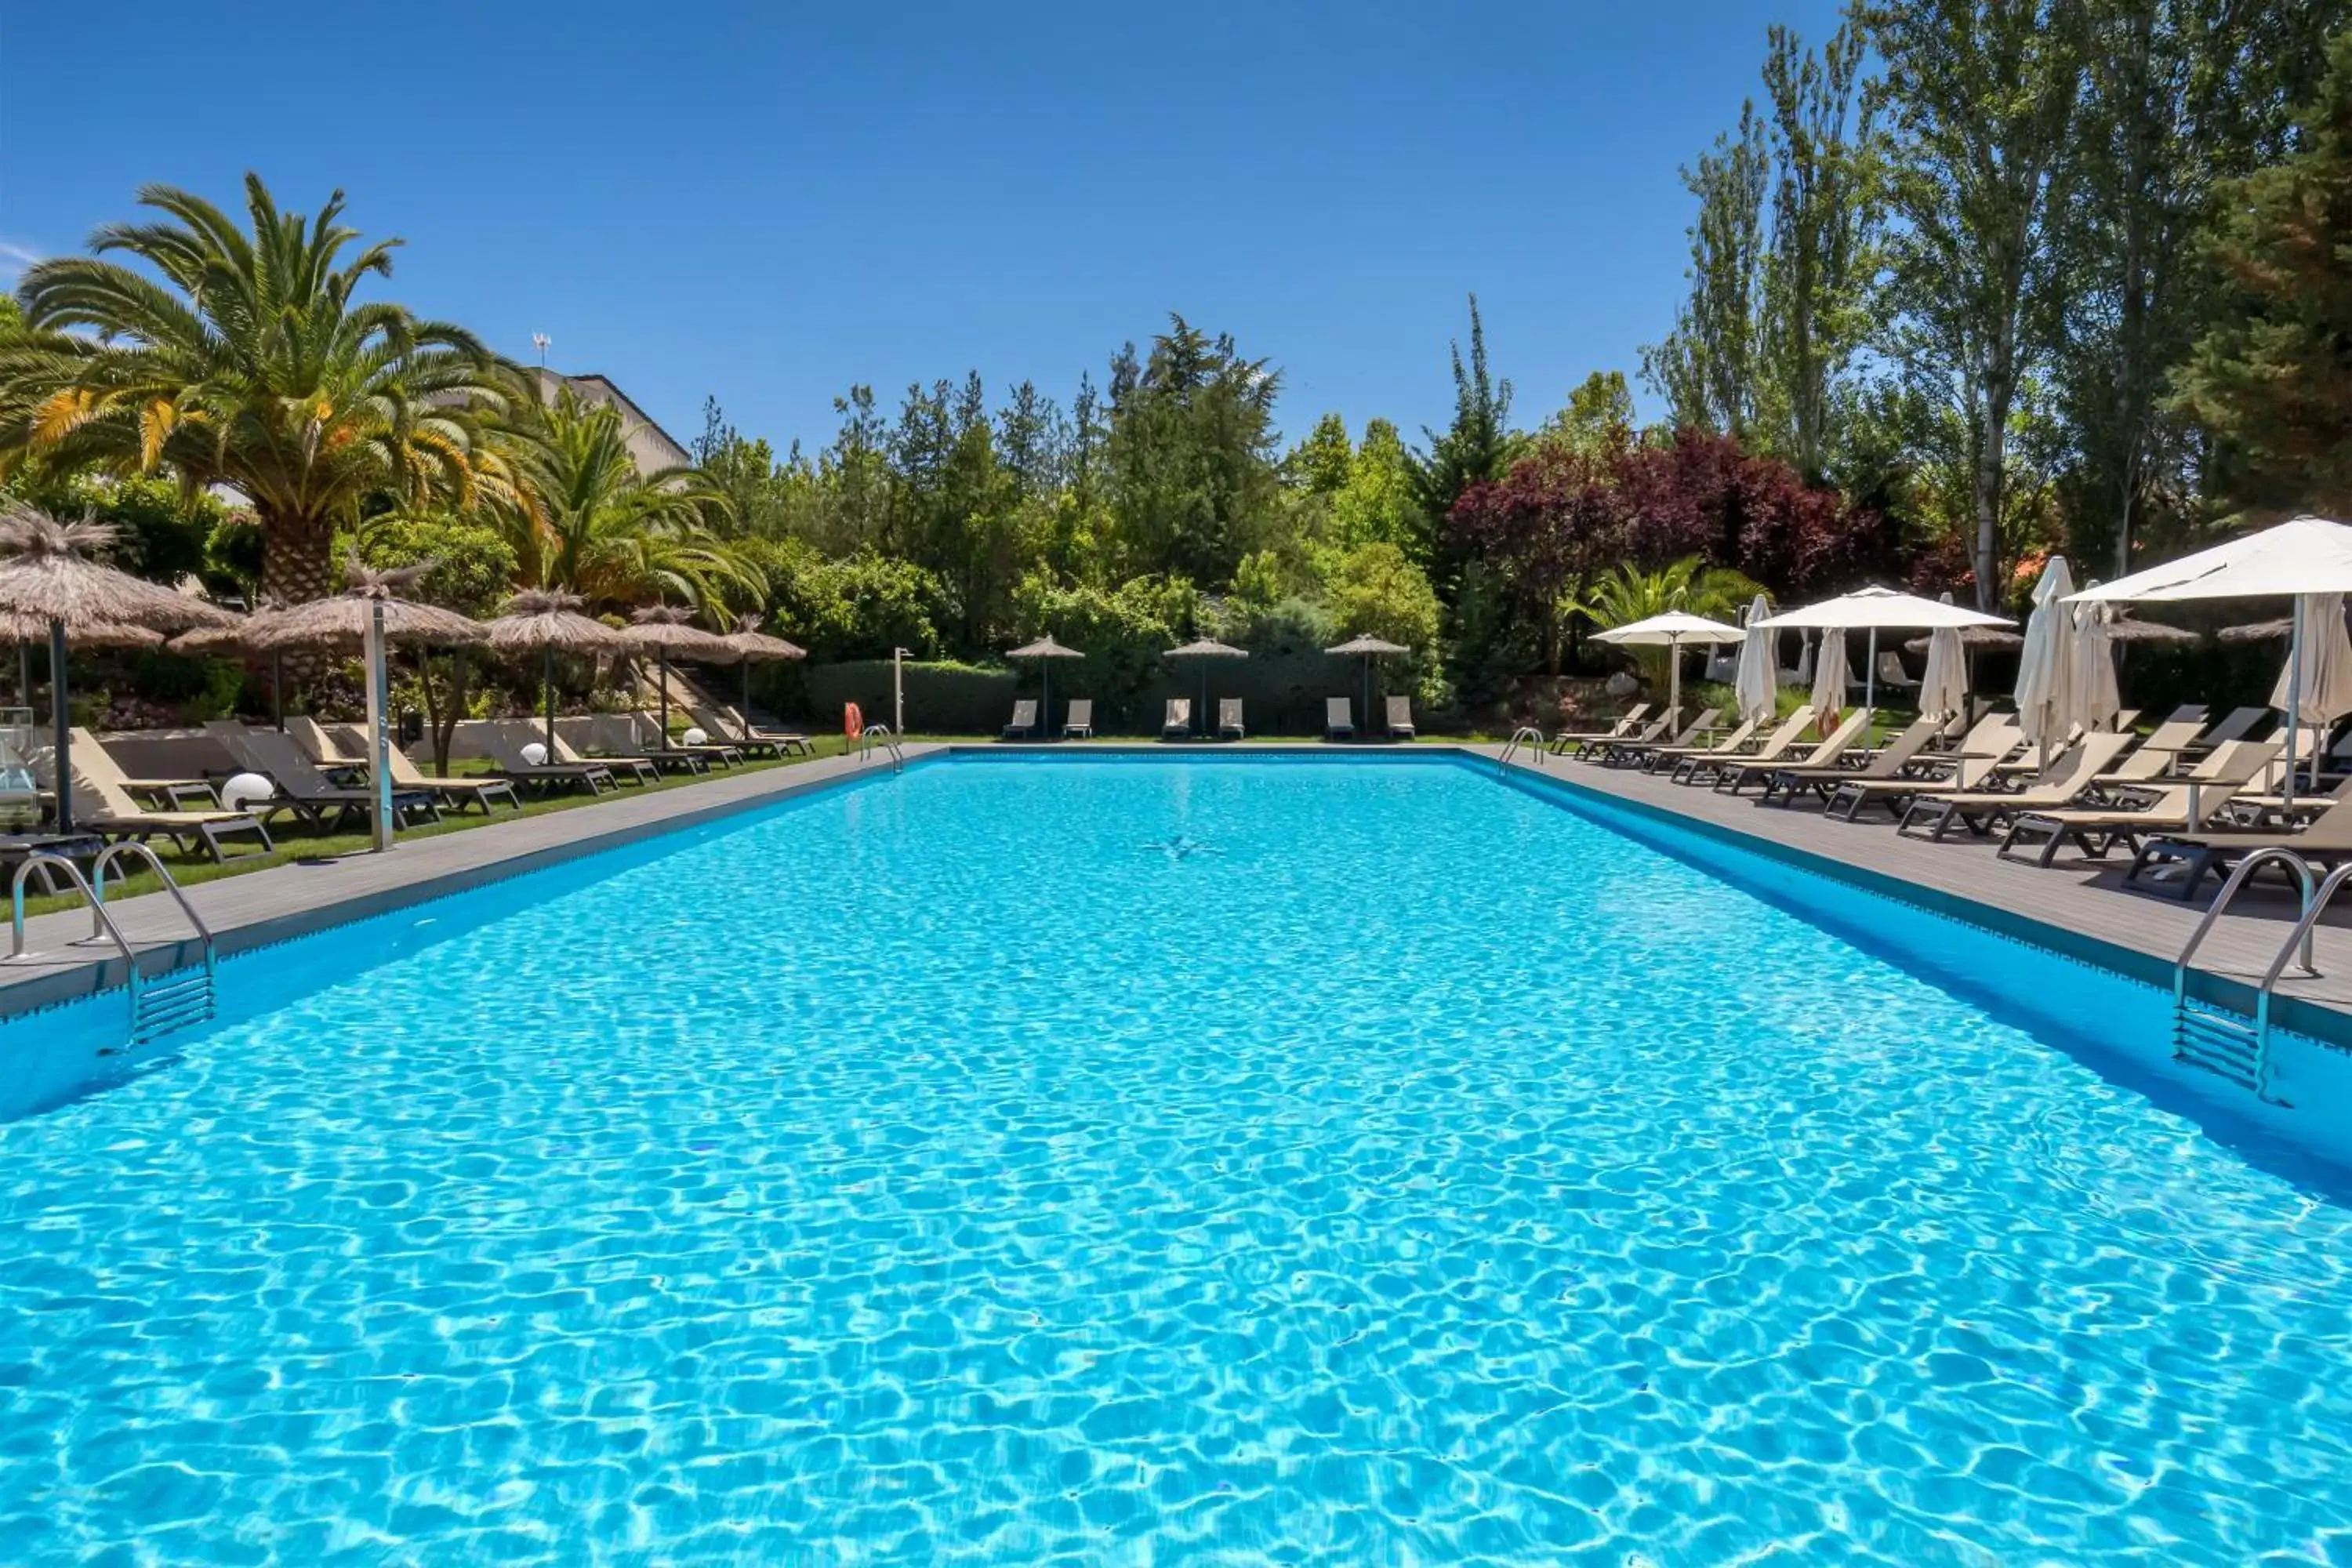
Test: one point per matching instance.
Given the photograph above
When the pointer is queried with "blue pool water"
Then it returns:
(1153, 1162)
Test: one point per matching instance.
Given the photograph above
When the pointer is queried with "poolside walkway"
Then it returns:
(2078, 896)
(288, 900)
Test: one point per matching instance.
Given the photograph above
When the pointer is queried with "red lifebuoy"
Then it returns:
(852, 722)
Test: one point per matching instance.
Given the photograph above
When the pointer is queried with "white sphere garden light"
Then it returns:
(694, 738)
(535, 754)
(246, 789)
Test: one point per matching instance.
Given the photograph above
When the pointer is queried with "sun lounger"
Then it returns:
(307, 793)
(1338, 718)
(1022, 725)
(647, 733)
(729, 725)
(1079, 722)
(2154, 757)
(2236, 727)
(1665, 727)
(2183, 807)
(2177, 863)
(1891, 672)
(1943, 773)
(1792, 784)
(641, 771)
(1705, 767)
(505, 740)
(1229, 719)
(1736, 772)
(1177, 725)
(1730, 745)
(320, 747)
(455, 791)
(178, 792)
(1981, 811)
(1399, 718)
(1637, 754)
(1995, 735)
(105, 802)
(1622, 731)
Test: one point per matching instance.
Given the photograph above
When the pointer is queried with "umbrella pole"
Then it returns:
(277, 691)
(25, 673)
(64, 719)
(1870, 676)
(2294, 696)
(746, 714)
(379, 760)
(1673, 684)
(663, 661)
(547, 694)
(1200, 718)
(1045, 702)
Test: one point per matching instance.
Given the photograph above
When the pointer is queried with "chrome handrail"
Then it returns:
(2315, 905)
(2237, 878)
(171, 886)
(867, 739)
(101, 924)
(1533, 737)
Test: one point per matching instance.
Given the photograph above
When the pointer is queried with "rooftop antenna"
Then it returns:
(540, 342)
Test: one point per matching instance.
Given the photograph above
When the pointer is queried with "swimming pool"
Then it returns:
(1165, 1160)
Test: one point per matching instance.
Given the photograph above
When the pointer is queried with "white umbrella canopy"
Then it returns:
(2045, 668)
(2306, 558)
(1671, 631)
(2306, 555)
(1757, 683)
(1882, 609)
(1875, 609)
(1832, 675)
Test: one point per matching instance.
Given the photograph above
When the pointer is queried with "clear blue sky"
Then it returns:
(769, 202)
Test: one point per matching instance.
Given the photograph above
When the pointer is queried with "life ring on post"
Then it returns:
(852, 722)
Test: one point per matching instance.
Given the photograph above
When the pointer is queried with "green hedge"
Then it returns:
(1281, 694)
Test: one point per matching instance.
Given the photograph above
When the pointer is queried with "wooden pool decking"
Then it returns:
(1964, 878)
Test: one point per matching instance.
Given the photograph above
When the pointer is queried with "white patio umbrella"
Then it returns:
(1874, 610)
(1831, 676)
(1758, 681)
(2045, 668)
(2305, 558)
(1671, 631)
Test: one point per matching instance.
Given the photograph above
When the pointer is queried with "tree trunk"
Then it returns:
(2000, 387)
(298, 564)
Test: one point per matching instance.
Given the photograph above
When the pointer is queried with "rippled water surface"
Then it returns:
(1146, 1162)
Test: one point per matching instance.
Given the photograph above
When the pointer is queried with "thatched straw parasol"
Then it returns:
(2125, 629)
(662, 629)
(340, 621)
(2258, 631)
(547, 621)
(1976, 639)
(1369, 647)
(1200, 650)
(753, 645)
(1044, 650)
(48, 579)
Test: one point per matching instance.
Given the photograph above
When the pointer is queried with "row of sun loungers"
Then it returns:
(1338, 719)
(2187, 800)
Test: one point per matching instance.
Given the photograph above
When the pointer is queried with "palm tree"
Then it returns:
(251, 364)
(1689, 584)
(585, 520)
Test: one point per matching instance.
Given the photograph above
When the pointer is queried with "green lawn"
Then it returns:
(297, 843)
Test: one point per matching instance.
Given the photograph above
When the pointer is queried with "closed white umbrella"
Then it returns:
(1757, 683)
(1831, 678)
(2318, 677)
(2096, 695)
(1805, 660)
(1944, 686)
(2045, 668)
(2306, 558)
(1671, 631)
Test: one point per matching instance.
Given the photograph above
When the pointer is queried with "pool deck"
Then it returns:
(2075, 905)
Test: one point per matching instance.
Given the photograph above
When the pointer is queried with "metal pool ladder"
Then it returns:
(874, 735)
(162, 1004)
(1526, 735)
(2222, 1040)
